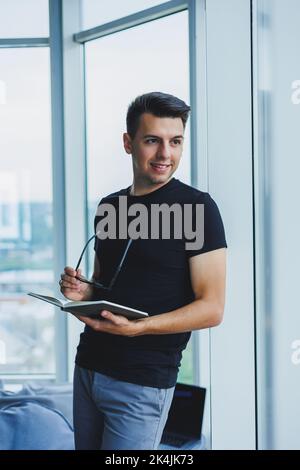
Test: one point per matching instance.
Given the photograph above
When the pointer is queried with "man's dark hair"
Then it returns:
(156, 103)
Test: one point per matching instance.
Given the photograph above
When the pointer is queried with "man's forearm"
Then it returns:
(194, 316)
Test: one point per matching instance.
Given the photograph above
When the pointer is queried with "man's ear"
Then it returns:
(127, 142)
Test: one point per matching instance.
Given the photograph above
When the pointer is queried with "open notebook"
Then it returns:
(92, 308)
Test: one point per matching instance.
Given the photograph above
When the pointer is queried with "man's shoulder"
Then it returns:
(110, 198)
(189, 193)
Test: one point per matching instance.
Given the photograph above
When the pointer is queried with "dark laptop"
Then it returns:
(184, 424)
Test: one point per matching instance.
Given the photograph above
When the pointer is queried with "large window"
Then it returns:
(118, 68)
(26, 232)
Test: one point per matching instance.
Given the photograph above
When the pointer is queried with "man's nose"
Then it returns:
(164, 151)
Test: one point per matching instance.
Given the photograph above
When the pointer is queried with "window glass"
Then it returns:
(96, 12)
(24, 18)
(26, 231)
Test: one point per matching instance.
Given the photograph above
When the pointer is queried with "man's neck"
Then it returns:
(137, 190)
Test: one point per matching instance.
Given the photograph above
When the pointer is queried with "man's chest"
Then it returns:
(143, 254)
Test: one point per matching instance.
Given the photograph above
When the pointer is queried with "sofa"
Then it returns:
(36, 418)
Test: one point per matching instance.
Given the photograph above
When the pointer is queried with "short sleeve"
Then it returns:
(214, 233)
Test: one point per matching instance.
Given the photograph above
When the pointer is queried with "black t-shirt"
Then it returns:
(154, 278)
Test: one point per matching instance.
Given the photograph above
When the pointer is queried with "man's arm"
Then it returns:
(208, 272)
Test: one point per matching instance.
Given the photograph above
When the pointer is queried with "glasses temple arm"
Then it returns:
(82, 253)
(120, 265)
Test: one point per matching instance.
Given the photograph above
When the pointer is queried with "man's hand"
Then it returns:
(113, 324)
(71, 287)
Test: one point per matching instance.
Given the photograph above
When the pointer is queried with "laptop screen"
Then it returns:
(186, 412)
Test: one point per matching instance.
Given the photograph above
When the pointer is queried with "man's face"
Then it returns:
(156, 149)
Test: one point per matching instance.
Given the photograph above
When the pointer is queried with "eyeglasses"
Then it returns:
(98, 284)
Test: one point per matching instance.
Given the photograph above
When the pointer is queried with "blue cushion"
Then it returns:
(34, 426)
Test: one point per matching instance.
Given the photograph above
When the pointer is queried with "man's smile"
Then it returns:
(160, 167)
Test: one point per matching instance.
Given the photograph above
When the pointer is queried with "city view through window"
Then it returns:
(26, 226)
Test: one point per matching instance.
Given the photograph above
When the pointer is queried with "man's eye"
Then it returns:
(151, 141)
(177, 142)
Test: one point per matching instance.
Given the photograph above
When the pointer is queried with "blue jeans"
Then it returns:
(111, 414)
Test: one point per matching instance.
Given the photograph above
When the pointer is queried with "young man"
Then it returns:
(126, 370)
